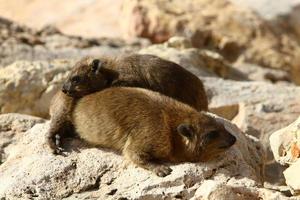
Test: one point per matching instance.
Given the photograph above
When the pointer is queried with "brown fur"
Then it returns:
(147, 126)
(145, 71)
(60, 123)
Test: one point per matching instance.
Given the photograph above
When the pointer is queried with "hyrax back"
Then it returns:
(144, 71)
(147, 126)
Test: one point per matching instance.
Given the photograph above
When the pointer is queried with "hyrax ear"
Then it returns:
(96, 66)
(185, 130)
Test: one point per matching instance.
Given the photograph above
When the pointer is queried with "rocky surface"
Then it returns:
(258, 108)
(22, 43)
(31, 171)
(199, 62)
(237, 33)
(269, 9)
(285, 144)
(27, 87)
(263, 109)
(232, 53)
(12, 128)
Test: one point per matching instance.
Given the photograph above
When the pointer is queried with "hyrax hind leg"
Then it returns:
(142, 157)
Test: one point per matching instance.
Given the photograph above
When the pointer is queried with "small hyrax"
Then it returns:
(146, 71)
(148, 127)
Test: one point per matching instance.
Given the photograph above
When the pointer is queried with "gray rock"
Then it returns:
(285, 145)
(27, 87)
(31, 171)
(12, 127)
(264, 108)
(21, 43)
(199, 62)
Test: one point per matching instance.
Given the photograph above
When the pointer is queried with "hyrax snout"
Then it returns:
(148, 127)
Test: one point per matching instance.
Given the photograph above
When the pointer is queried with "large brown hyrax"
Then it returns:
(148, 127)
(146, 71)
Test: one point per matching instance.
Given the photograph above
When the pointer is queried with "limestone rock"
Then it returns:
(269, 9)
(237, 33)
(31, 171)
(22, 43)
(12, 127)
(199, 62)
(214, 190)
(263, 109)
(257, 73)
(27, 87)
(292, 177)
(285, 144)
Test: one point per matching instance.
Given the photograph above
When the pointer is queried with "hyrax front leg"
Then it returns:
(54, 135)
(142, 158)
(60, 111)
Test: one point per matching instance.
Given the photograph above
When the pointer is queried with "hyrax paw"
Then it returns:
(55, 144)
(162, 171)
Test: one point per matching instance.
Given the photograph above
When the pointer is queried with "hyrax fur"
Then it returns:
(147, 127)
(146, 71)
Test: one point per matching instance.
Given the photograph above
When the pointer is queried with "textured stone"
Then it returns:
(31, 171)
(292, 177)
(237, 33)
(12, 127)
(27, 87)
(199, 62)
(263, 109)
(22, 43)
(285, 144)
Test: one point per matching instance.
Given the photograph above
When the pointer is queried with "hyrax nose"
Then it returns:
(64, 89)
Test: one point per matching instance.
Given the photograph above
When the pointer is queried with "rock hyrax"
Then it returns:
(148, 127)
(146, 71)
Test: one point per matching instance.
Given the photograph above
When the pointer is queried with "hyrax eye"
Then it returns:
(76, 79)
(212, 135)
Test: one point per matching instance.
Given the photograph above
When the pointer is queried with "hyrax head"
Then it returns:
(87, 76)
(204, 138)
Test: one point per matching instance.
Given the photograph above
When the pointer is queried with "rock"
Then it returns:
(27, 87)
(257, 73)
(269, 9)
(214, 190)
(199, 62)
(263, 109)
(285, 144)
(238, 33)
(228, 111)
(22, 43)
(292, 177)
(31, 171)
(12, 127)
